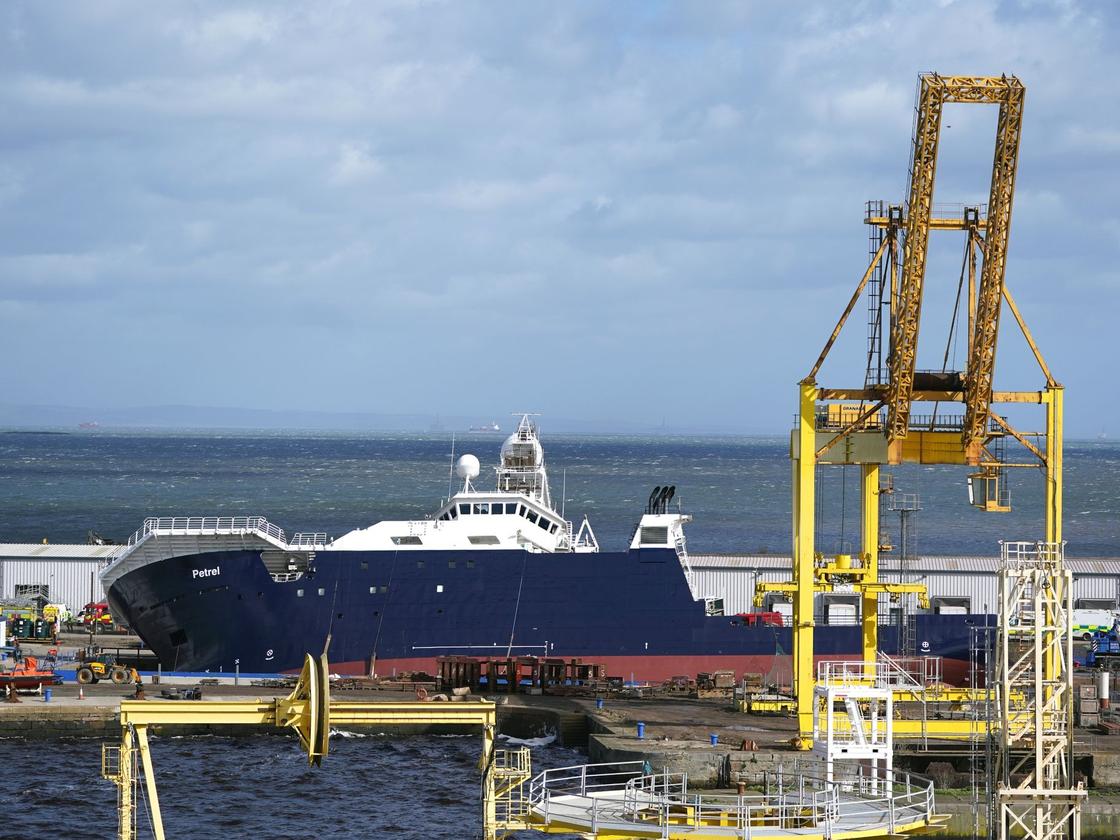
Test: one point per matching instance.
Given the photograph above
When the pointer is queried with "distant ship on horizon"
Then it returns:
(488, 427)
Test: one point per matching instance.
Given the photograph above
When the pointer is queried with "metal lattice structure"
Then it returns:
(934, 93)
(1036, 796)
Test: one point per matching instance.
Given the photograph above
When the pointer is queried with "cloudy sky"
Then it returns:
(607, 211)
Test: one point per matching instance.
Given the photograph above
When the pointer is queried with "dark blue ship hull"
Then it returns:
(631, 611)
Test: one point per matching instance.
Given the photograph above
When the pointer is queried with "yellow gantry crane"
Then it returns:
(874, 425)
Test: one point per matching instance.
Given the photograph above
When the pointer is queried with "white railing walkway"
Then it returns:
(215, 526)
(622, 801)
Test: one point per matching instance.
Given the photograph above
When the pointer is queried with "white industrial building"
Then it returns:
(64, 574)
(957, 584)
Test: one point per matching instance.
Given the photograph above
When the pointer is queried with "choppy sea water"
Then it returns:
(59, 486)
(259, 786)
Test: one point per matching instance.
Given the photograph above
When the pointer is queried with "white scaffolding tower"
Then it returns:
(1036, 796)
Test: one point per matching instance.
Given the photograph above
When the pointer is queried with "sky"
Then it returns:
(621, 212)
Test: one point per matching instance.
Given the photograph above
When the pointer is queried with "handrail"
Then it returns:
(213, 526)
(789, 801)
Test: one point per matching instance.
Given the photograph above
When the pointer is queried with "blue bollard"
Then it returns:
(599, 703)
(714, 738)
(46, 695)
(641, 730)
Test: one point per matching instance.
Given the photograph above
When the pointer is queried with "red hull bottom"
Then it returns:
(774, 668)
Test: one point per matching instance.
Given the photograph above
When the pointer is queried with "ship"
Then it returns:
(491, 427)
(494, 572)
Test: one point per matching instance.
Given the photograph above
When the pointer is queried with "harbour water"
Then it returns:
(260, 786)
(59, 486)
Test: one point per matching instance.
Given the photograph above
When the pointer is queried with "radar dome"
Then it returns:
(467, 467)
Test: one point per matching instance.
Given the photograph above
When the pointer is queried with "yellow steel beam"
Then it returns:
(1027, 335)
(844, 432)
(178, 712)
(126, 807)
(150, 782)
(804, 553)
(1054, 431)
(935, 223)
(848, 310)
(309, 711)
(869, 553)
(907, 317)
(1010, 94)
(1019, 437)
(876, 393)
(270, 713)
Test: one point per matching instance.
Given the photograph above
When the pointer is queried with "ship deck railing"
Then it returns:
(215, 526)
(624, 799)
(197, 526)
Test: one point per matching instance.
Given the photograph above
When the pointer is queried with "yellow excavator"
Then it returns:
(106, 667)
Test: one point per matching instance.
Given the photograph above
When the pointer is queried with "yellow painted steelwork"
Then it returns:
(858, 432)
(308, 710)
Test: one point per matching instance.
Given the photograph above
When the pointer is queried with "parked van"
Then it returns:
(1088, 622)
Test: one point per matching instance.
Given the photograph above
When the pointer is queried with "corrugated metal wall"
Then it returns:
(69, 580)
(735, 583)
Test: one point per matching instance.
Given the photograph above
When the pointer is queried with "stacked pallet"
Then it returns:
(1088, 705)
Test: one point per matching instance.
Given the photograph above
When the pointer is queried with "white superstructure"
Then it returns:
(517, 514)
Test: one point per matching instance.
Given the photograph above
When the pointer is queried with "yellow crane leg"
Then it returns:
(150, 782)
(804, 505)
(126, 808)
(1055, 396)
(489, 783)
(870, 541)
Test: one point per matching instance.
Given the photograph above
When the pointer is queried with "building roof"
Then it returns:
(56, 551)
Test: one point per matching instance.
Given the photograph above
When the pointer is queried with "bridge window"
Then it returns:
(511, 507)
(464, 509)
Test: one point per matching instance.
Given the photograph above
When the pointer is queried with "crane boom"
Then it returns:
(982, 356)
(907, 316)
(935, 91)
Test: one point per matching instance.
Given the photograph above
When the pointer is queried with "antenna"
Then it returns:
(451, 470)
(563, 491)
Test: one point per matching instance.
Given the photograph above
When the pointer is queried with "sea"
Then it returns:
(260, 786)
(63, 485)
